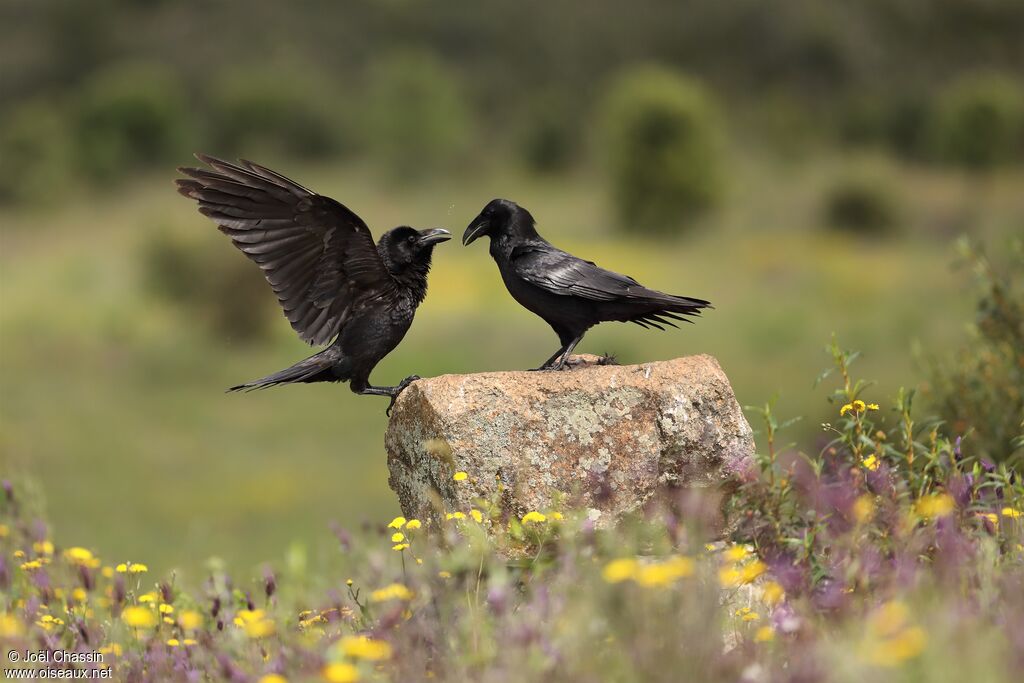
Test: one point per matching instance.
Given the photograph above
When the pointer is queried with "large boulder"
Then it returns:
(605, 438)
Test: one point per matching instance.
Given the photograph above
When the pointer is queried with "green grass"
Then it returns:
(114, 400)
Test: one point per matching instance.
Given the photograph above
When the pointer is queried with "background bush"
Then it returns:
(662, 138)
(979, 389)
(261, 110)
(35, 147)
(416, 118)
(131, 116)
(862, 201)
(978, 122)
(203, 277)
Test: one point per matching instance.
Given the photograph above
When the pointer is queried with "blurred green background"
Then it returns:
(804, 165)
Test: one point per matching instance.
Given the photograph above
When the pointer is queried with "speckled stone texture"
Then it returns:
(601, 437)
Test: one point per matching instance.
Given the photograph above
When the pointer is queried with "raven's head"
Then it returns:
(500, 217)
(406, 250)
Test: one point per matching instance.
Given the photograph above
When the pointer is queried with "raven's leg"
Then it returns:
(566, 353)
(366, 389)
(547, 364)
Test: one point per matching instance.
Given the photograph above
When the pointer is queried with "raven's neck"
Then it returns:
(411, 277)
(521, 231)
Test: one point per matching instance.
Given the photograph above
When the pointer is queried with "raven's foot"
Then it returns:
(399, 389)
(608, 359)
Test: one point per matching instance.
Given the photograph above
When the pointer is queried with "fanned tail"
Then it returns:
(666, 308)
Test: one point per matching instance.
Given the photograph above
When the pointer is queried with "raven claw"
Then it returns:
(399, 389)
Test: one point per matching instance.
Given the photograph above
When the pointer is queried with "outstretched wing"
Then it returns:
(317, 255)
(559, 272)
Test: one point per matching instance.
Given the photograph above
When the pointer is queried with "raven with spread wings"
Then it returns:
(319, 257)
(570, 294)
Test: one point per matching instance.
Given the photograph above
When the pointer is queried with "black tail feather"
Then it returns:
(316, 368)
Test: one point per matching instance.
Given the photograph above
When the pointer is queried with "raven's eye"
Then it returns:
(412, 238)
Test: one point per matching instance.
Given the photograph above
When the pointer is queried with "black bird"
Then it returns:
(570, 294)
(331, 279)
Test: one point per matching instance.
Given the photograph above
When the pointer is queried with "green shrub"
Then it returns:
(550, 134)
(263, 110)
(35, 148)
(979, 389)
(978, 122)
(663, 138)
(862, 201)
(208, 281)
(416, 117)
(131, 116)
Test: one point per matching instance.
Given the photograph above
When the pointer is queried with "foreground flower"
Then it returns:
(871, 462)
(890, 639)
(256, 623)
(80, 556)
(460, 476)
(764, 634)
(395, 591)
(1012, 513)
(413, 524)
(190, 620)
(666, 572)
(138, 617)
(272, 678)
(619, 570)
(396, 523)
(341, 672)
(534, 516)
(363, 647)
(934, 505)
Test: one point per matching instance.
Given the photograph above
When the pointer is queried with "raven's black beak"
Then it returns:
(434, 236)
(478, 227)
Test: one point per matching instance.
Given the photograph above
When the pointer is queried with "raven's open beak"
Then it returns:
(478, 227)
(434, 236)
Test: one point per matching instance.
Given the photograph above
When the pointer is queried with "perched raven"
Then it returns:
(570, 294)
(320, 260)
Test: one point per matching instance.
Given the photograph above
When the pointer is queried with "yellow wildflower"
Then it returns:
(751, 616)
(31, 565)
(122, 568)
(340, 672)
(664, 573)
(190, 620)
(138, 617)
(78, 555)
(395, 591)
(890, 652)
(19, 554)
(455, 515)
(735, 553)
(108, 572)
(398, 547)
(620, 570)
(169, 621)
(396, 523)
(397, 537)
(556, 515)
(413, 524)
(166, 609)
(10, 626)
(460, 476)
(476, 515)
(112, 649)
(79, 595)
(272, 678)
(173, 642)
(772, 593)
(148, 597)
(4, 531)
(137, 568)
(256, 623)
(934, 505)
(363, 647)
(534, 516)
(752, 571)
(992, 517)
(189, 642)
(444, 575)
(765, 634)
(874, 406)
(729, 577)
(43, 547)
(871, 462)
(1012, 513)
(864, 508)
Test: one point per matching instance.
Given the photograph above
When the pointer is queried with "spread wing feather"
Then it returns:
(318, 256)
